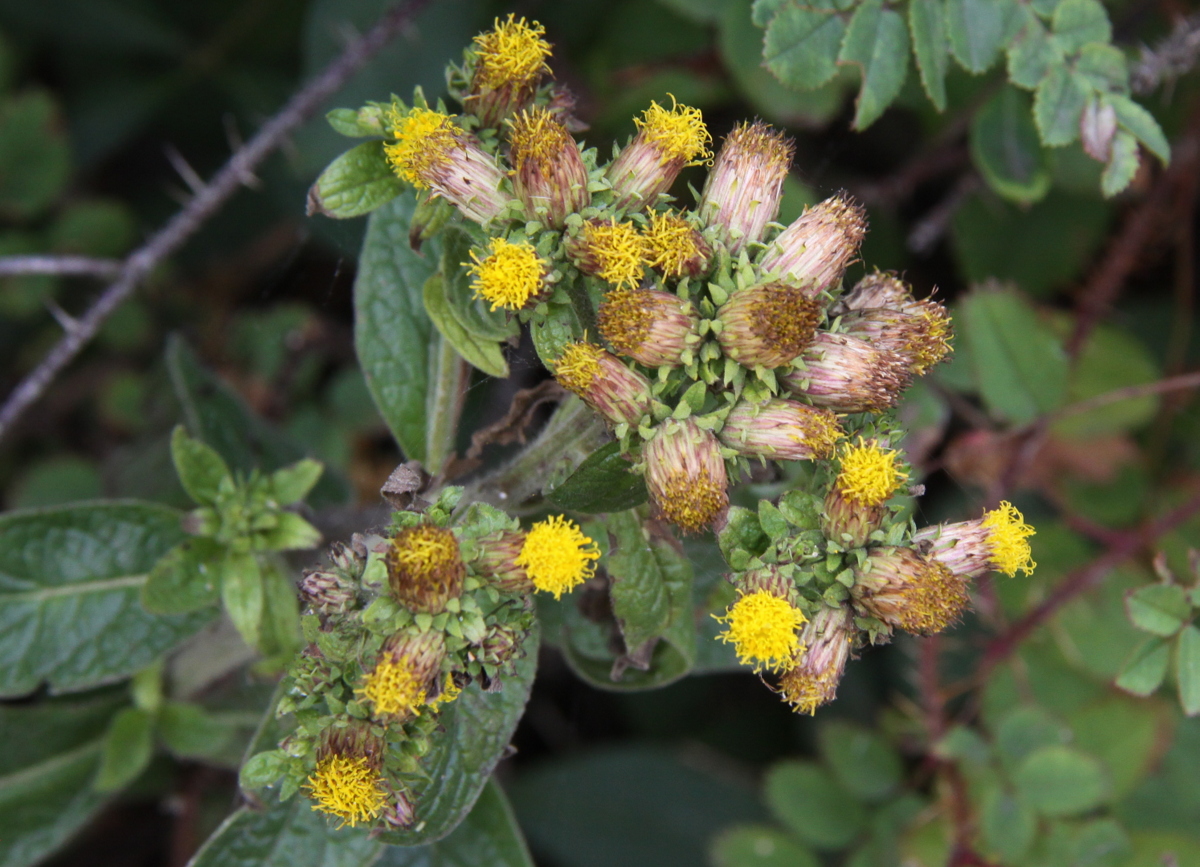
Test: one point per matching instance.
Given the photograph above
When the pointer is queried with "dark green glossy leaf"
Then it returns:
(927, 25)
(486, 355)
(801, 46)
(806, 799)
(978, 28)
(876, 41)
(128, 745)
(1058, 105)
(1060, 781)
(356, 183)
(472, 313)
(186, 578)
(1146, 668)
(1187, 669)
(1005, 148)
(863, 762)
(69, 584)
(602, 483)
(199, 466)
(1160, 609)
(759, 846)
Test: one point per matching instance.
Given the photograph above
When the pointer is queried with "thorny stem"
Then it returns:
(208, 200)
(63, 266)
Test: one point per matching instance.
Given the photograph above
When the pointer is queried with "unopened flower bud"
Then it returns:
(408, 668)
(745, 185)
(509, 62)
(652, 327)
(612, 251)
(347, 783)
(666, 141)
(497, 563)
(425, 568)
(828, 639)
(998, 541)
(677, 249)
(557, 556)
(768, 325)
(880, 289)
(846, 374)
(400, 812)
(815, 249)
(920, 332)
(511, 276)
(904, 589)
(619, 394)
(432, 152)
(686, 474)
(854, 506)
(763, 624)
(549, 176)
(500, 644)
(327, 591)
(781, 430)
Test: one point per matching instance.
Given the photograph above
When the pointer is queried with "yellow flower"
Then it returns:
(612, 251)
(511, 53)
(677, 133)
(676, 248)
(425, 568)
(870, 474)
(578, 366)
(509, 276)
(558, 556)
(347, 787)
(762, 628)
(393, 688)
(1008, 538)
(425, 141)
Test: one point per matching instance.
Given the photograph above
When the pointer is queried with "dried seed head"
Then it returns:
(904, 589)
(425, 569)
(497, 562)
(828, 639)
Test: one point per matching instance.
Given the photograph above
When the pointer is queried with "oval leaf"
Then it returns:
(1005, 148)
(356, 183)
(805, 798)
(1187, 669)
(1146, 668)
(1060, 781)
(801, 46)
(602, 483)
(1160, 609)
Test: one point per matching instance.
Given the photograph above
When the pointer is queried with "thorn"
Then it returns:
(175, 158)
(68, 322)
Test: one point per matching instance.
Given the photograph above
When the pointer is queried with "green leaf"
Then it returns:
(927, 26)
(763, 11)
(476, 729)
(1005, 148)
(807, 800)
(291, 484)
(363, 123)
(1060, 781)
(1007, 825)
(281, 613)
(488, 837)
(1111, 359)
(759, 846)
(877, 42)
(356, 183)
(1032, 53)
(242, 594)
(128, 745)
(392, 331)
(1125, 734)
(192, 732)
(1142, 124)
(199, 466)
(1160, 609)
(69, 584)
(35, 160)
(638, 592)
(1019, 364)
(1058, 105)
(700, 11)
(602, 483)
(1101, 843)
(1104, 66)
(1146, 668)
(1025, 730)
(978, 29)
(742, 532)
(290, 533)
(863, 762)
(186, 578)
(1187, 669)
(801, 46)
(472, 313)
(1122, 164)
(1078, 22)
(486, 355)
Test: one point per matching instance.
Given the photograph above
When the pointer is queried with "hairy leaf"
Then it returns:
(186, 578)
(356, 183)
(1142, 124)
(1122, 164)
(1078, 22)
(1146, 668)
(1160, 609)
(1187, 669)
(1032, 53)
(199, 466)
(1058, 105)
(483, 354)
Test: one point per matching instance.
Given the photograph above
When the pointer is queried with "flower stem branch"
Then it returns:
(62, 266)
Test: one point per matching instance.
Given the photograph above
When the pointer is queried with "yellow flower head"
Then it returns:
(512, 53)
(870, 474)
(615, 252)
(674, 246)
(762, 628)
(450, 691)
(578, 366)
(678, 133)
(932, 343)
(537, 138)
(425, 141)
(393, 688)
(509, 276)
(807, 690)
(1008, 537)
(347, 787)
(557, 556)
(425, 567)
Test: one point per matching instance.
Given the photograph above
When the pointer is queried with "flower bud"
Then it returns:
(904, 589)
(549, 176)
(652, 327)
(920, 333)
(425, 569)
(557, 556)
(763, 624)
(400, 813)
(666, 141)
(509, 62)
(408, 668)
(880, 289)
(511, 276)
(815, 249)
(846, 374)
(676, 248)
(686, 474)
(744, 187)
(768, 325)
(612, 251)
(854, 506)
(500, 645)
(347, 783)
(333, 590)
(619, 394)
(498, 563)
(827, 640)
(998, 541)
(781, 430)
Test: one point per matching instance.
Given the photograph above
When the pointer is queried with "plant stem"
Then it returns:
(443, 404)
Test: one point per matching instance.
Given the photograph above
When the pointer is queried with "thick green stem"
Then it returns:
(443, 403)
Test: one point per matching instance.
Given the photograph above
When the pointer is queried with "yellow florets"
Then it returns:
(393, 688)
(450, 691)
(578, 366)
(509, 276)
(672, 244)
(870, 474)
(933, 343)
(1008, 538)
(806, 691)
(425, 567)
(762, 628)
(347, 787)
(691, 501)
(424, 143)
(619, 252)
(512, 53)
(538, 138)
(557, 556)
(678, 133)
